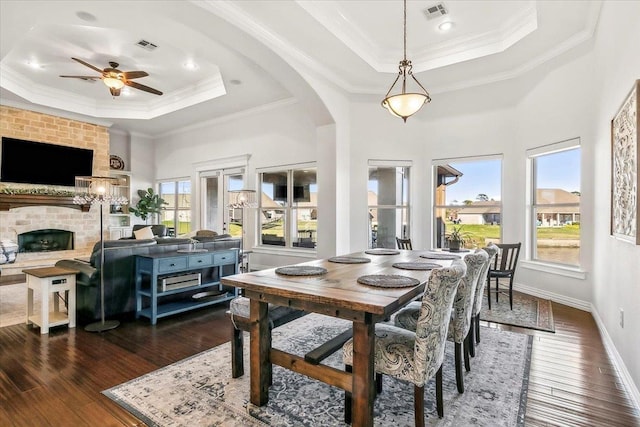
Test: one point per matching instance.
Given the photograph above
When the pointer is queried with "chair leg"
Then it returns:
(511, 293)
(378, 383)
(489, 293)
(237, 358)
(458, 362)
(439, 404)
(347, 399)
(465, 352)
(418, 405)
(471, 337)
(497, 288)
(477, 325)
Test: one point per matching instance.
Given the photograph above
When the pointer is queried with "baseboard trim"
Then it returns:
(561, 299)
(627, 380)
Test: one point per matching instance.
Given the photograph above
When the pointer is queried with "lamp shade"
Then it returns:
(405, 104)
(242, 198)
(100, 189)
(113, 83)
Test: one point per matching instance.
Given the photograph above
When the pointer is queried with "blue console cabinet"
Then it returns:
(174, 282)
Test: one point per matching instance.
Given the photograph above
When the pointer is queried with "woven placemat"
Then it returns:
(382, 252)
(349, 260)
(301, 270)
(439, 255)
(416, 265)
(388, 281)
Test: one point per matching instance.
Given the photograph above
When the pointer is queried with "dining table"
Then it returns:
(335, 292)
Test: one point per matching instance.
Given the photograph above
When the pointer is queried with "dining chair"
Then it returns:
(504, 268)
(492, 250)
(417, 356)
(460, 325)
(404, 243)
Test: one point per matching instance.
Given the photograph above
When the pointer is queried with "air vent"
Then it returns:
(147, 45)
(435, 11)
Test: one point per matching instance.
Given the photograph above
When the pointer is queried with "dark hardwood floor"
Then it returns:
(56, 380)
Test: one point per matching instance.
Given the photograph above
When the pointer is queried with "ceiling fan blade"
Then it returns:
(114, 92)
(134, 74)
(83, 77)
(86, 64)
(143, 87)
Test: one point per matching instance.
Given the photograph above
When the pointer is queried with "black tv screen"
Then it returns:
(30, 162)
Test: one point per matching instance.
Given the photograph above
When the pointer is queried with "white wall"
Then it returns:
(617, 264)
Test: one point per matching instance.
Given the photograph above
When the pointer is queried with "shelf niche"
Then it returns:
(12, 201)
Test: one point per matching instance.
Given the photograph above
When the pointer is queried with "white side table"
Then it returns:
(51, 280)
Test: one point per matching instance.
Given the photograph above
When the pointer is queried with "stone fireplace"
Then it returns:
(45, 240)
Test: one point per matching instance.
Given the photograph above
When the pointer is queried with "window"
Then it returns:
(388, 202)
(216, 214)
(555, 203)
(467, 194)
(176, 214)
(288, 208)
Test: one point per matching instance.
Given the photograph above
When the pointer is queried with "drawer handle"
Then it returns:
(172, 265)
(200, 261)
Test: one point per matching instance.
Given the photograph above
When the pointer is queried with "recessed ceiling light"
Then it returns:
(34, 64)
(86, 16)
(190, 65)
(445, 26)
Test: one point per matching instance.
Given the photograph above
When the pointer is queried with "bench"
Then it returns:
(278, 316)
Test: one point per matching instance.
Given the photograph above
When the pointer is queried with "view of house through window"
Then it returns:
(555, 207)
(288, 208)
(468, 199)
(388, 203)
(176, 214)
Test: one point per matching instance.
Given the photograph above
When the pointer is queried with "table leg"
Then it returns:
(260, 349)
(363, 373)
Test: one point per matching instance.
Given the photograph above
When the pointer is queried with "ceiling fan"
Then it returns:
(116, 79)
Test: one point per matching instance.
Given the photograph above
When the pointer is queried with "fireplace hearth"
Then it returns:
(45, 240)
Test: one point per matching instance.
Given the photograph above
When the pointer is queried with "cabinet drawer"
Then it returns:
(199, 260)
(172, 264)
(224, 258)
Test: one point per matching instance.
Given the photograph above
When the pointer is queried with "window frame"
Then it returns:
(290, 209)
(434, 188)
(531, 208)
(176, 209)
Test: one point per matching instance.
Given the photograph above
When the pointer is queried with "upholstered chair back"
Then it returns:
(433, 321)
(492, 250)
(463, 302)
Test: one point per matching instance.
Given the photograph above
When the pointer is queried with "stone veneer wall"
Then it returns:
(29, 125)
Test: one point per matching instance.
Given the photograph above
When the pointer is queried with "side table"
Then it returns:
(50, 280)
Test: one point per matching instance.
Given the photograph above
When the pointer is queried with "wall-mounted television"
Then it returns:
(29, 162)
(280, 193)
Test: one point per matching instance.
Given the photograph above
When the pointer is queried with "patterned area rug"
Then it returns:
(200, 391)
(528, 312)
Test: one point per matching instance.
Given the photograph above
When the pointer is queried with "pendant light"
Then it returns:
(405, 104)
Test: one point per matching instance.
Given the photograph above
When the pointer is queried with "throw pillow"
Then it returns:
(144, 233)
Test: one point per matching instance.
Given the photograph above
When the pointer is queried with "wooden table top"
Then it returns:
(338, 288)
(49, 271)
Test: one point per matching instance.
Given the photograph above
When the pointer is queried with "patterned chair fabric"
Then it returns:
(492, 251)
(416, 356)
(461, 317)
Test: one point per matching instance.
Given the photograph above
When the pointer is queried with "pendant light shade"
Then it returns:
(405, 104)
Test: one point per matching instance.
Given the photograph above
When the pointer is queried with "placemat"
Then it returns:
(416, 265)
(349, 260)
(301, 270)
(388, 281)
(439, 255)
(382, 252)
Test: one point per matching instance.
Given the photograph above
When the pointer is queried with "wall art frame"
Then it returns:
(625, 173)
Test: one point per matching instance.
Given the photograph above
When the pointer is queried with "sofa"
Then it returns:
(119, 273)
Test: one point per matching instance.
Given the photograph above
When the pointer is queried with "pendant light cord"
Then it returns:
(405, 30)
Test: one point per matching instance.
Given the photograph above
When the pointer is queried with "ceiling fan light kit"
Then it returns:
(115, 79)
(405, 104)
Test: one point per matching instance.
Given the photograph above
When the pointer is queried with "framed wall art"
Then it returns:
(625, 155)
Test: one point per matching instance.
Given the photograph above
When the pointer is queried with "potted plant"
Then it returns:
(456, 238)
(150, 203)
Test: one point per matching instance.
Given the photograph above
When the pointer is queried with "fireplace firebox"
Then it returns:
(45, 240)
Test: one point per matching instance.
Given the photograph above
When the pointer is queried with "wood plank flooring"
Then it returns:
(56, 380)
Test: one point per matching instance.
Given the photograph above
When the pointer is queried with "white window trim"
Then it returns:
(176, 210)
(272, 249)
(568, 270)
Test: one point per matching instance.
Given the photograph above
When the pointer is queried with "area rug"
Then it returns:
(199, 391)
(528, 312)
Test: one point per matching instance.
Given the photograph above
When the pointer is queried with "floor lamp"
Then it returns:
(100, 190)
(241, 199)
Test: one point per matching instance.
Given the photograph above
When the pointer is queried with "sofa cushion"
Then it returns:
(143, 233)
